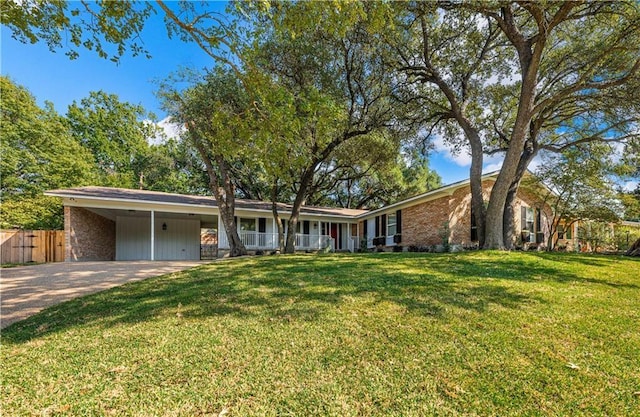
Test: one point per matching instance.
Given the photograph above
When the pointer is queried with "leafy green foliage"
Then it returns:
(624, 236)
(102, 142)
(37, 150)
(109, 28)
(631, 203)
(38, 153)
(116, 133)
(32, 213)
(476, 333)
(371, 173)
(579, 188)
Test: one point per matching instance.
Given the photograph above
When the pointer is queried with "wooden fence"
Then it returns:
(24, 246)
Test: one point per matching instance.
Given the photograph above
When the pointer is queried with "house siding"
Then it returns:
(460, 209)
(88, 236)
(422, 224)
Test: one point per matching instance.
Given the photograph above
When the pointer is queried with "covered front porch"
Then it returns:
(261, 233)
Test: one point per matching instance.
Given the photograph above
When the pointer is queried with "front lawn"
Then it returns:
(479, 333)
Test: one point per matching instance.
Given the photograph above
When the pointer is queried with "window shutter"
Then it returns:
(383, 224)
(523, 218)
(377, 226)
(474, 227)
(262, 225)
(538, 227)
(305, 227)
(398, 221)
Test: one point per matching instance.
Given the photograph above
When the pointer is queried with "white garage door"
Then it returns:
(175, 239)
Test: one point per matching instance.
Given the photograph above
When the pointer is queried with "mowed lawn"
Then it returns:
(479, 333)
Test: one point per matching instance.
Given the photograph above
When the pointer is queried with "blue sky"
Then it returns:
(52, 76)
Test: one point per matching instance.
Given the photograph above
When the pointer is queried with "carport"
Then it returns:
(106, 224)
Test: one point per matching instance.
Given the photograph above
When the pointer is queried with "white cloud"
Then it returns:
(492, 167)
(170, 130)
(630, 185)
(461, 158)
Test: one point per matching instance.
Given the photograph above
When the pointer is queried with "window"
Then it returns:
(527, 224)
(247, 225)
(391, 224)
(564, 232)
(560, 232)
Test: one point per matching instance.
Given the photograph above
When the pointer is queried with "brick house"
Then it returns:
(445, 214)
(104, 223)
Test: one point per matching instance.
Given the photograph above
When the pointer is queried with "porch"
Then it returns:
(261, 233)
(269, 241)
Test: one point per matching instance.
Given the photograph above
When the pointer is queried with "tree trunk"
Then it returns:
(475, 181)
(508, 172)
(227, 205)
(223, 192)
(508, 221)
(292, 224)
(497, 202)
(276, 217)
(634, 250)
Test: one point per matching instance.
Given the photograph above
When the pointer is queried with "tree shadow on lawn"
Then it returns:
(535, 267)
(580, 260)
(299, 288)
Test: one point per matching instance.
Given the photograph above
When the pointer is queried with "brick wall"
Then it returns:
(88, 236)
(460, 208)
(422, 223)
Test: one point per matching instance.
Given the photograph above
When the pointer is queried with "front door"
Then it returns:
(334, 235)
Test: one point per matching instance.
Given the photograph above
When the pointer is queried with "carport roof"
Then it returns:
(129, 195)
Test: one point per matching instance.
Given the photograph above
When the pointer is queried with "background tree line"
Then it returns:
(100, 141)
(377, 80)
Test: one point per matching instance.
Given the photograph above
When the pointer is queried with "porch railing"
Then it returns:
(256, 240)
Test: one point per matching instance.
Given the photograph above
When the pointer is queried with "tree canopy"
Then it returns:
(512, 78)
(102, 141)
(38, 153)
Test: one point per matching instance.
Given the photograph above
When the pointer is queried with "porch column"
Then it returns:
(349, 241)
(219, 231)
(152, 233)
(319, 235)
(331, 237)
(274, 233)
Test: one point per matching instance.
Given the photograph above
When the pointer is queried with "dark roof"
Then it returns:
(108, 193)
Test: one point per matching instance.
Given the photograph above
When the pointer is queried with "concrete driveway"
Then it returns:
(25, 290)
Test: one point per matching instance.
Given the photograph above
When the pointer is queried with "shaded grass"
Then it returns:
(484, 333)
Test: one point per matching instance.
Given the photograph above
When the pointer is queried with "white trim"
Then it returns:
(447, 190)
(168, 207)
(629, 223)
(152, 234)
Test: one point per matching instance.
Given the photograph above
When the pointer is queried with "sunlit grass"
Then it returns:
(483, 333)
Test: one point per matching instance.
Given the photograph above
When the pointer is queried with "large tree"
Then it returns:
(509, 75)
(38, 154)
(117, 134)
(216, 114)
(331, 89)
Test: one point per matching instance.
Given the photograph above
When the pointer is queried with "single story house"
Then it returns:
(103, 223)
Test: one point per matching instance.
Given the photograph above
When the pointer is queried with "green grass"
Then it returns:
(482, 333)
